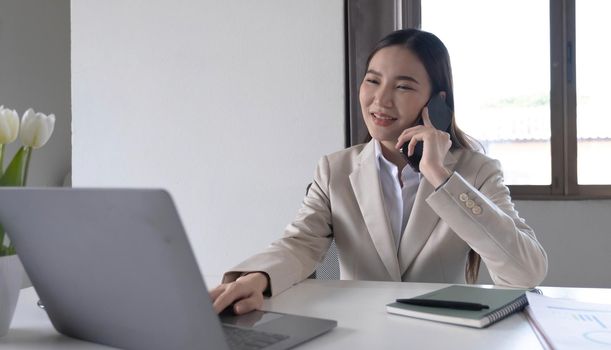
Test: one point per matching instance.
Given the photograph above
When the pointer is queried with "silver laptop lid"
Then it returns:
(112, 266)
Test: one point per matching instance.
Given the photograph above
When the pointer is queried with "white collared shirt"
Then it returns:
(398, 200)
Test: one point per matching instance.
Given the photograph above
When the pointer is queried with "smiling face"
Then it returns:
(395, 89)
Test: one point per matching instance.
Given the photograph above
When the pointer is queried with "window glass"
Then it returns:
(593, 73)
(500, 60)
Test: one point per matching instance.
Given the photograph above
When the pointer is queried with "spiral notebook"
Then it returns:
(501, 303)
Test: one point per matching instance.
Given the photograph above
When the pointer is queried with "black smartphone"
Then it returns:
(441, 117)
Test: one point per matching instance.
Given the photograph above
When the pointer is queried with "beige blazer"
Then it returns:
(473, 209)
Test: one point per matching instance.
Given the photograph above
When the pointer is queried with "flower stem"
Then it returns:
(28, 154)
(3, 249)
(1, 159)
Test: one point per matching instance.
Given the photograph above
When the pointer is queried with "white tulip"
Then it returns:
(9, 125)
(36, 128)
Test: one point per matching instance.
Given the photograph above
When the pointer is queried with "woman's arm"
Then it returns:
(491, 226)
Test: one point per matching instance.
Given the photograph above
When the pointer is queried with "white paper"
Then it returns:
(568, 324)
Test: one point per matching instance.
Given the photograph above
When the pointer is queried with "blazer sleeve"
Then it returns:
(304, 244)
(484, 216)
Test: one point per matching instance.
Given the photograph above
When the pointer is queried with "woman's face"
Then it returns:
(395, 89)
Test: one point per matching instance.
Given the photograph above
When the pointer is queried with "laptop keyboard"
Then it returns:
(249, 339)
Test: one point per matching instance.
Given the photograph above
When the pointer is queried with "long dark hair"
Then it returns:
(436, 60)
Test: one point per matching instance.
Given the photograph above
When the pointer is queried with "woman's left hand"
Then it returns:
(436, 144)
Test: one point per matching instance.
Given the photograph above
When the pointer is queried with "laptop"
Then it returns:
(114, 266)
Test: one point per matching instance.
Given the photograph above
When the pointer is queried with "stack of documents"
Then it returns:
(568, 324)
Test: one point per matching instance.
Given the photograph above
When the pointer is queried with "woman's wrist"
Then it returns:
(437, 176)
(258, 278)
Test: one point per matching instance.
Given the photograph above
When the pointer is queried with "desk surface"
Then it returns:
(359, 308)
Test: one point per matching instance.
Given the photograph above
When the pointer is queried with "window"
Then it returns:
(501, 77)
(530, 83)
(593, 76)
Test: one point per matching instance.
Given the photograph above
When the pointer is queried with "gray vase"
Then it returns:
(11, 277)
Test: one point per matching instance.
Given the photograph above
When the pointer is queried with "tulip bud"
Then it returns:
(36, 128)
(9, 125)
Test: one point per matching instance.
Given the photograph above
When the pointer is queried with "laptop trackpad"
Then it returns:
(251, 319)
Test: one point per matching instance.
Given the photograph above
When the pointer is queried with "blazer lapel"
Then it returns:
(365, 181)
(421, 223)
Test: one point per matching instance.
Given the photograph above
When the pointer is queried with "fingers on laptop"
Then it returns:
(214, 293)
(253, 302)
(244, 297)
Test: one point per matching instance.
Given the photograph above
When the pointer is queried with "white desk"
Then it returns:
(358, 307)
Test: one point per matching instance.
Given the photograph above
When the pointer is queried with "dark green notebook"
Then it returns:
(502, 303)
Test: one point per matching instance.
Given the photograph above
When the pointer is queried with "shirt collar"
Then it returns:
(382, 162)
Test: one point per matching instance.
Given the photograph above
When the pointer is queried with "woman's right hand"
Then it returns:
(245, 293)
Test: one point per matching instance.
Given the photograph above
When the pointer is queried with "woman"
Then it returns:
(389, 222)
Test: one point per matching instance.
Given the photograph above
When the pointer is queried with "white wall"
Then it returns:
(228, 104)
(35, 72)
(577, 238)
